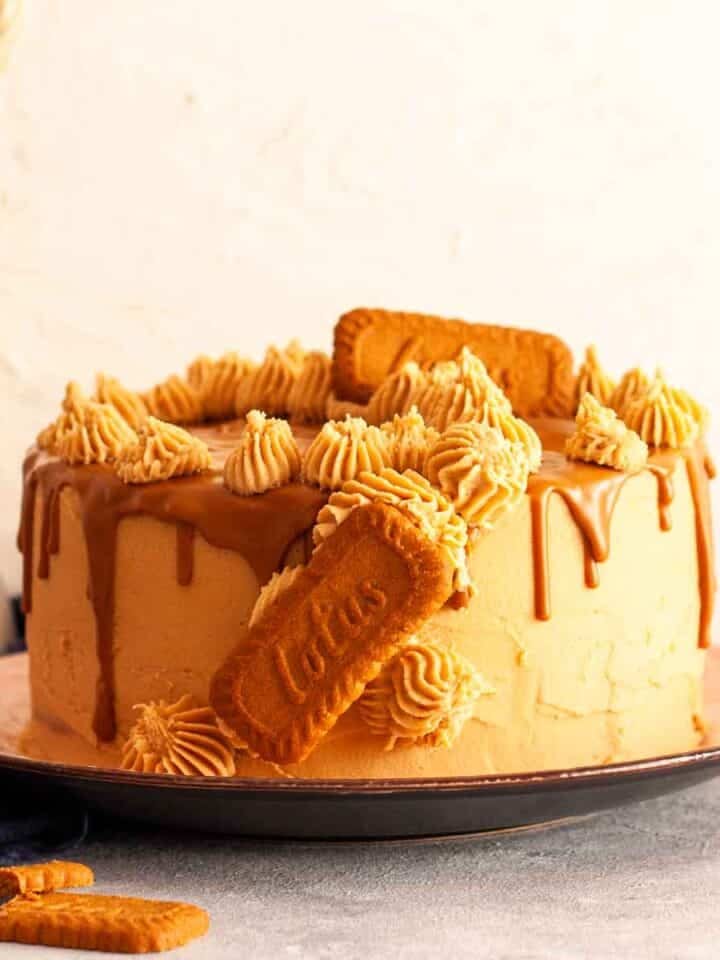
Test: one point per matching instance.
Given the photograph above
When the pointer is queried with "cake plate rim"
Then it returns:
(387, 808)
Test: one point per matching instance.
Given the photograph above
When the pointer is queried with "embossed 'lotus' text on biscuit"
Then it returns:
(334, 631)
(370, 585)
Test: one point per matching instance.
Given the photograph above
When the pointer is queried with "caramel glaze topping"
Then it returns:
(261, 528)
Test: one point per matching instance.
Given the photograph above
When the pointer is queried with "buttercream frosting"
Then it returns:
(601, 437)
(175, 401)
(423, 697)
(178, 738)
(482, 473)
(93, 433)
(396, 394)
(633, 384)
(409, 439)
(342, 450)
(268, 387)
(220, 384)
(266, 457)
(309, 394)
(658, 417)
(593, 379)
(128, 403)
(161, 451)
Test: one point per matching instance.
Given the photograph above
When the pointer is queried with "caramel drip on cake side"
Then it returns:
(259, 528)
(701, 469)
(184, 553)
(591, 494)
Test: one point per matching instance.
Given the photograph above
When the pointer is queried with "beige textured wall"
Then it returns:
(179, 175)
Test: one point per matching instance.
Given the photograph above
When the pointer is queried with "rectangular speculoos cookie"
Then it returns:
(534, 369)
(308, 659)
(96, 922)
(41, 877)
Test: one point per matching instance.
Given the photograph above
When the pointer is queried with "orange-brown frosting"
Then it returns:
(409, 439)
(161, 451)
(479, 470)
(456, 392)
(128, 404)
(423, 697)
(514, 429)
(198, 372)
(396, 394)
(179, 738)
(416, 497)
(268, 387)
(93, 433)
(600, 437)
(219, 384)
(73, 401)
(659, 418)
(266, 457)
(342, 450)
(592, 379)
(175, 401)
(309, 394)
(692, 407)
(633, 384)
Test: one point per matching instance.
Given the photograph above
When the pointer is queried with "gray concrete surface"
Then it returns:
(643, 881)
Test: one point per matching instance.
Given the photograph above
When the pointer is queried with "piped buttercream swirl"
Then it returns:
(309, 394)
(268, 387)
(221, 384)
(128, 404)
(198, 372)
(601, 438)
(175, 401)
(659, 418)
(178, 738)
(161, 451)
(411, 493)
(73, 401)
(592, 379)
(342, 450)
(632, 385)
(396, 393)
(481, 472)
(409, 440)
(94, 433)
(514, 429)
(422, 697)
(266, 457)
(458, 391)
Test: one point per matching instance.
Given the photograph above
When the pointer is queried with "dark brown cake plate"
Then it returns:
(354, 809)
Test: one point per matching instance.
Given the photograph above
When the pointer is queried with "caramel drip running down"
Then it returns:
(260, 530)
(185, 553)
(590, 493)
(49, 533)
(700, 469)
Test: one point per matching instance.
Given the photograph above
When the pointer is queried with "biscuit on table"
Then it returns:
(40, 877)
(94, 922)
(534, 369)
(370, 585)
